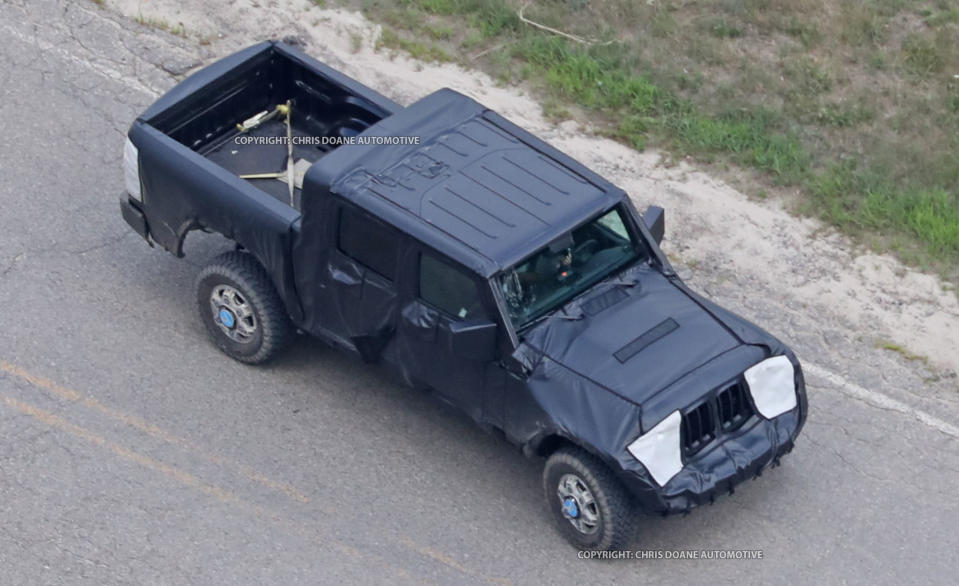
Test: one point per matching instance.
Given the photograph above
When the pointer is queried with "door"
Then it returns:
(448, 331)
(361, 300)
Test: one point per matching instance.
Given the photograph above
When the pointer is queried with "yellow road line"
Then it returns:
(135, 422)
(186, 478)
(62, 424)
(182, 477)
(450, 562)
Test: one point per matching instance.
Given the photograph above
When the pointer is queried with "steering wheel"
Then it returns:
(585, 251)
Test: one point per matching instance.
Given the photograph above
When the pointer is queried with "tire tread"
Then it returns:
(244, 270)
(617, 506)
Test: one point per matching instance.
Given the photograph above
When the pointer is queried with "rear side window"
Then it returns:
(449, 288)
(369, 242)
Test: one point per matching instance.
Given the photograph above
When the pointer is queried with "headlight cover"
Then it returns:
(772, 385)
(659, 450)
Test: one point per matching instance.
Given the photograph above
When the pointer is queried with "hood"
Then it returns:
(633, 340)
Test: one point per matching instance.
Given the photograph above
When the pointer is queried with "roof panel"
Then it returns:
(497, 200)
(478, 187)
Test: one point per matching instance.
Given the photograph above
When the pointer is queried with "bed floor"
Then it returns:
(242, 159)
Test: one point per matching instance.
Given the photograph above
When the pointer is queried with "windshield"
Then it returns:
(551, 276)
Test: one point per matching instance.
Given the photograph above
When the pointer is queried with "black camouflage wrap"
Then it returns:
(598, 373)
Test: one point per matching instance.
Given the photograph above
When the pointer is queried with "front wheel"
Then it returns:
(241, 309)
(591, 507)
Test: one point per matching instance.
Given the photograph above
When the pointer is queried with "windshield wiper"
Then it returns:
(560, 313)
(564, 313)
(578, 313)
(621, 282)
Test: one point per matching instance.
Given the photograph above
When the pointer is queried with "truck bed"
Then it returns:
(207, 120)
(242, 159)
(188, 163)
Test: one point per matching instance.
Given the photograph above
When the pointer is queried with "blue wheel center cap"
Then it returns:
(227, 318)
(570, 508)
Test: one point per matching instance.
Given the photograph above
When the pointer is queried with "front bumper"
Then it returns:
(718, 469)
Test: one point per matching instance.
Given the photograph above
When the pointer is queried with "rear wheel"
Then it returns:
(241, 309)
(591, 507)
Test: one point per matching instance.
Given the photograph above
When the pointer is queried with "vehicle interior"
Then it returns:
(568, 266)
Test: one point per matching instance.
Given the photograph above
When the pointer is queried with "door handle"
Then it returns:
(422, 320)
(349, 276)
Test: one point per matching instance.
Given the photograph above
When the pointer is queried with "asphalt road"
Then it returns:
(133, 451)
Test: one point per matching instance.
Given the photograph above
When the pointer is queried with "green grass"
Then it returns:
(158, 23)
(806, 32)
(843, 104)
(424, 51)
(902, 351)
(868, 200)
(935, 18)
(845, 115)
(723, 28)
(922, 55)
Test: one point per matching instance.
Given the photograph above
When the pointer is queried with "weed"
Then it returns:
(845, 115)
(877, 61)
(943, 17)
(555, 111)
(921, 55)
(416, 49)
(861, 23)
(807, 75)
(438, 33)
(663, 24)
(891, 346)
(721, 28)
(158, 23)
(952, 102)
(806, 32)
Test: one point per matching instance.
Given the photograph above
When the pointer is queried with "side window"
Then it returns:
(614, 221)
(449, 288)
(369, 242)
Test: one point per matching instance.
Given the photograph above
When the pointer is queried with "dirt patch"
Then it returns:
(711, 228)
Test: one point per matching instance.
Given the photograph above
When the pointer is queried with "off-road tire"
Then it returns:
(242, 272)
(615, 505)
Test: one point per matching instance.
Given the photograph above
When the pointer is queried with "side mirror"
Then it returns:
(655, 218)
(473, 340)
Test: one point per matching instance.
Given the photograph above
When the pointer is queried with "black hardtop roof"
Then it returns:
(476, 187)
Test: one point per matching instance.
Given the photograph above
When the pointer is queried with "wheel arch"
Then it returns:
(546, 443)
(278, 267)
